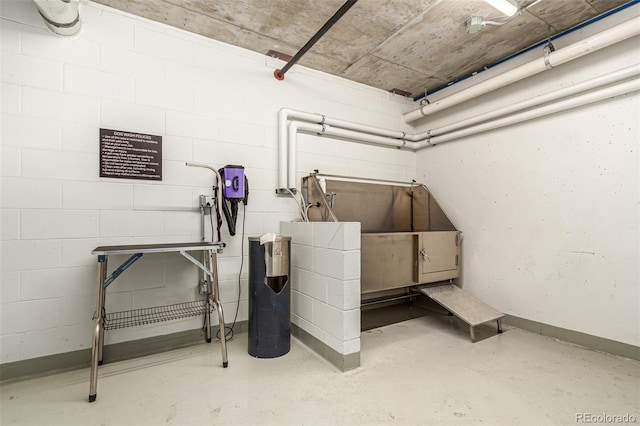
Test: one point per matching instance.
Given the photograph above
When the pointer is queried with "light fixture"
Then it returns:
(508, 7)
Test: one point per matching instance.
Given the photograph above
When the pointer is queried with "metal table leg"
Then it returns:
(207, 313)
(98, 329)
(499, 325)
(213, 281)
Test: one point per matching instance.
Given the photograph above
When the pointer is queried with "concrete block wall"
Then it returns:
(325, 269)
(210, 102)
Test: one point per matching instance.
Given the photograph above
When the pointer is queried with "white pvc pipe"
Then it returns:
(593, 83)
(283, 116)
(285, 151)
(598, 41)
(433, 136)
(321, 124)
(296, 126)
(61, 17)
(587, 98)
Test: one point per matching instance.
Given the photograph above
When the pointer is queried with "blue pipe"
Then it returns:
(536, 45)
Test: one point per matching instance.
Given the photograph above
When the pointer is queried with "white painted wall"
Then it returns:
(549, 208)
(210, 102)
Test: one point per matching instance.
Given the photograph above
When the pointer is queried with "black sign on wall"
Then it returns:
(130, 155)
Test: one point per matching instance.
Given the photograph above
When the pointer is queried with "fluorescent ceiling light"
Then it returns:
(508, 7)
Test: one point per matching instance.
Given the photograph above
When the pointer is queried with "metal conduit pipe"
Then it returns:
(279, 74)
(598, 41)
(584, 99)
(593, 83)
(60, 16)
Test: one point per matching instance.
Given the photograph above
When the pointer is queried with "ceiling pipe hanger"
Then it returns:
(279, 74)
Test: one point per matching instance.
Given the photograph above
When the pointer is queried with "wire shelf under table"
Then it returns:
(144, 316)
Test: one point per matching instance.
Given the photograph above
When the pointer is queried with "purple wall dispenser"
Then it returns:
(233, 181)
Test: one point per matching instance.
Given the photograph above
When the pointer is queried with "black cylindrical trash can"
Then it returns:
(269, 297)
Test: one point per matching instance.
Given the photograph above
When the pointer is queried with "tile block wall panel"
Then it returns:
(130, 223)
(343, 295)
(301, 256)
(181, 273)
(9, 287)
(39, 163)
(9, 224)
(144, 274)
(344, 347)
(80, 137)
(177, 148)
(300, 232)
(76, 310)
(65, 339)
(202, 80)
(92, 82)
(131, 64)
(302, 305)
(117, 32)
(329, 319)
(10, 36)
(238, 132)
(11, 99)
(19, 255)
(72, 50)
(229, 291)
(60, 106)
(182, 223)
(9, 161)
(334, 301)
(29, 71)
(339, 236)
(260, 157)
(9, 348)
(77, 252)
(161, 45)
(43, 193)
(50, 224)
(119, 115)
(161, 197)
(163, 95)
(165, 296)
(97, 195)
(54, 283)
(29, 316)
(191, 125)
(336, 263)
(217, 153)
(325, 234)
(313, 329)
(351, 323)
(30, 132)
(313, 285)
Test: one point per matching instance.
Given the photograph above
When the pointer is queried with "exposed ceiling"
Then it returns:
(410, 45)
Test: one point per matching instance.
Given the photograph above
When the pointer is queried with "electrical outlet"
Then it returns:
(206, 201)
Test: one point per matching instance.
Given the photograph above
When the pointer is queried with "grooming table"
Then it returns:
(104, 321)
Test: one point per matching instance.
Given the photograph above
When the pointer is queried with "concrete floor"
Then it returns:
(422, 371)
